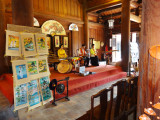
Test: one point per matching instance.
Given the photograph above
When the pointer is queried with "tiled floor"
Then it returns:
(65, 110)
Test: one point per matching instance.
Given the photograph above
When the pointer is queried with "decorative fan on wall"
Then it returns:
(73, 27)
(53, 27)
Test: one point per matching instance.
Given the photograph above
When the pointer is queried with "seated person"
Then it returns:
(61, 52)
(82, 53)
(94, 58)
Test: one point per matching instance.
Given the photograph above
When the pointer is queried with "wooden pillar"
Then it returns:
(125, 34)
(86, 28)
(149, 77)
(22, 12)
(3, 66)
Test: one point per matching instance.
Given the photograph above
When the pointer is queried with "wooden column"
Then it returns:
(86, 28)
(149, 77)
(22, 12)
(125, 32)
(3, 66)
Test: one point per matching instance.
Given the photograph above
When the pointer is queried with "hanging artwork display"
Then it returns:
(45, 91)
(20, 71)
(13, 45)
(48, 42)
(53, 27)
(41, 44)
(65, 42)
(43, 66)
(28, 44)
(32, 65)
(73, 27)
(57, 41)
(20, 97)
(33, 94)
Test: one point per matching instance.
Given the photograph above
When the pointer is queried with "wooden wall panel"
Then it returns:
(96, 31)
(63, 8)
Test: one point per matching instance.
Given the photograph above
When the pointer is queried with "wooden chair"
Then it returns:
(132, 98)
(118, 111)
(102, 111)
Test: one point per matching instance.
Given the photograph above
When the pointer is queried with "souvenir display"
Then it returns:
(32, 65)
(28, 44)
(20, 96)
(43, 66)
(33, 94)
(20, 73)
(45, 91)
(41, 43)
(13, 44)
(30, 74)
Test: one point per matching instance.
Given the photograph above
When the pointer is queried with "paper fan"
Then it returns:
(149, 111)
(157, 105)
(144, 117)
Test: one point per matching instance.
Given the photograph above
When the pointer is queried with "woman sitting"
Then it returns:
(94, 58)
(61, 52)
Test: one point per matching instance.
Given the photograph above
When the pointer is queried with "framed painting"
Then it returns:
(45, 91)
(43, 68)
(33, 94)
(57, 41)
(13, 43)
(41, 44)
(28, 44)
(48, 42)
(20, 72)
(20, 96)
(90, 42)
(97, 44)
(65, 42)
(32, 65)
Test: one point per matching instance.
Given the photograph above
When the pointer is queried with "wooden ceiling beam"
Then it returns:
(109, 3)
(135, 18)
(134, 4)
(108, 9)
(114, 15)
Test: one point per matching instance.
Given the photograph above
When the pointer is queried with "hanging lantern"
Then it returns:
(111, 23)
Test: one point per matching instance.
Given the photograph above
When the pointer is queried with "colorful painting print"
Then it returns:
(32, 67)
(65, 42)
(13, 42)
(44, 83)
(41, 43)
(21, 71)
(28, 44)
(42, 66)
(33, 93)
(48, 42)
(21, 94)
